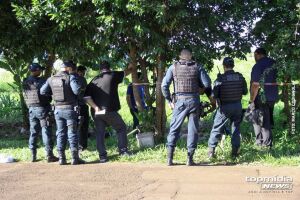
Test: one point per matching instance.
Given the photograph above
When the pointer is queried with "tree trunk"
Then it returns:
(149, 100)
(286, 101)
(49, 65)
(133, 60)
(25, 114)
(160, 100)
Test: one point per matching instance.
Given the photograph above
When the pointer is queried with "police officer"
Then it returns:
(84, 110)
(188, 77)
(228, 91)
(39, 108)
(263, 70)
(102, 95)
(65, 89)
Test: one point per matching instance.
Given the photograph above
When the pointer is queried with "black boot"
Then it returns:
(190, 161)
(170, 156)
(103, 159)
(211, 153)
(33, 155)
(75, 159)
(62, 158)
(51, 157)
(235, 152)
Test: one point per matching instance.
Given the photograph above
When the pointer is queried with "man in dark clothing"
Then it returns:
(102, 95)
(65, 89)
(228, 91)
(131, 100)
(39, 108)
(188, 77)
(84, 110)
(83, 123)
(263, 71)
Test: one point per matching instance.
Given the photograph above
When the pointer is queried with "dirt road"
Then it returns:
(144, 181)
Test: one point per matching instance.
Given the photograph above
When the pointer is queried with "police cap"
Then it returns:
(35, 67)
(228, 62)
(69, 63)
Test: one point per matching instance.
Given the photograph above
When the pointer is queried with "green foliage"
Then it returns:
(278, 31)
(147, 120)
(9, 108)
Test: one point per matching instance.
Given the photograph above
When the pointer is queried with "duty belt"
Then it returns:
(38, 106)
(185, 97)
(64, 106)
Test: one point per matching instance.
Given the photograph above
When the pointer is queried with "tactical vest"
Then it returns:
(186, 77)
(61, 89)
(231, 88)
(32, 95)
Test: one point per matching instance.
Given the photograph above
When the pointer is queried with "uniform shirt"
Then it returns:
(83, 83)
(103, 89)
(141, 91)
(74, 84)
(265, 63)
(45, 100)
(204, 81)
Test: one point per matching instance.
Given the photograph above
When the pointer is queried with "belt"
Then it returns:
(185, 97)
(65, 106)
(38, 106)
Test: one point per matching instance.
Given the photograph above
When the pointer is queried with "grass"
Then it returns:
(284, 153)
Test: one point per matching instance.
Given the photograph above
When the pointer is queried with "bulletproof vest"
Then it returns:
(61, 89)
(186, 77)
(32, 95)
(231, 88)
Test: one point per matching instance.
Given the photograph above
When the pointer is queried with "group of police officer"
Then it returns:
(71, 94)
(189, 78)
(66, 88)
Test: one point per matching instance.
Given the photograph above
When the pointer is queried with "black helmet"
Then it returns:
(228, 62)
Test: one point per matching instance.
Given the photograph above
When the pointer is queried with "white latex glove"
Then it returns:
(172, 106)
(251, 106)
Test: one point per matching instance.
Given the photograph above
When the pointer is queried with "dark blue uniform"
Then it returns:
(228, 90)
(39, 108)
(64, 89)
(188, 77)
(84, 115)
(265, 103)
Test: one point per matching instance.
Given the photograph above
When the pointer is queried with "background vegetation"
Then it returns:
(147, 36)
(285, 152)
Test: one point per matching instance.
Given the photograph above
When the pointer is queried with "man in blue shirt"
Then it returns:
(263, 71)
(131, 100)
(187, 77)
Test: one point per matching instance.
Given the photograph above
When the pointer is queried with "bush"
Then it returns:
(10, 108)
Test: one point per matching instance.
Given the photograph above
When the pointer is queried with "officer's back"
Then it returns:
(64, 89)
(228, 91)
